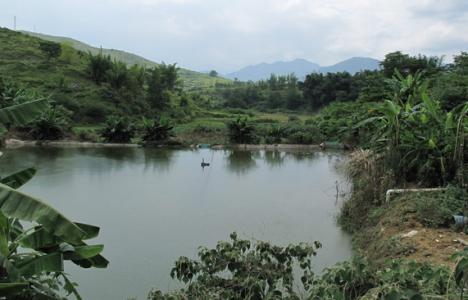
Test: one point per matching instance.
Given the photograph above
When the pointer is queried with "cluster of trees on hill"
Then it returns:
(152, 85)
(448, 83)
(119, 89)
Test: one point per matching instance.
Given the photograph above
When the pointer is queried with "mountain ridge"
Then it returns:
(301, 67)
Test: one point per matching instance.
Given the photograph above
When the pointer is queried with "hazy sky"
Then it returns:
(229, 34)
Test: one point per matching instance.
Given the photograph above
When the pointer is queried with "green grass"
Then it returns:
(210, 126)
(65, 82)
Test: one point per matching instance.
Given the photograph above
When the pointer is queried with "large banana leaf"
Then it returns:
(7, 265)
(17, 179)
(41, 264)
(41, 239)
(97, 261)
(80, 253)
(4, 236)
(15, 204)
(90, 231)
(4, 250)
(23, 113)
(87, 252)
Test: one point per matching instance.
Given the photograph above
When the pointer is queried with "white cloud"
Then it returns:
(229, 34)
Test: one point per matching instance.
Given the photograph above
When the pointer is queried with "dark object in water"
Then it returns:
(204, 164)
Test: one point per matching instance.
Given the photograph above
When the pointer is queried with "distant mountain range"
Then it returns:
(302, 67)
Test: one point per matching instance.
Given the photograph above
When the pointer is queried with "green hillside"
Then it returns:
(191, 79)
(23, 62)
(65, 79)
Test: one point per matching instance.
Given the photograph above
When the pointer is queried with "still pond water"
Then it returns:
(156, 205)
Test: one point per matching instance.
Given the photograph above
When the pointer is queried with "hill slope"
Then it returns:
(302, 67)
(191, 79)
(66, 81)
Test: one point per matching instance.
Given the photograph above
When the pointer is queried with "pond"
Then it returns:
(155, 205)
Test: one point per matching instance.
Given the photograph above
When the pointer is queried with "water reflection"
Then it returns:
(16, 159)
(127, 155)
(240, 162)
(274, 158)
(299, 156)
(158, 159)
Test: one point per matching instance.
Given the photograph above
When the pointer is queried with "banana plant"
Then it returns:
(32, 258)
(156, 130)
(416, 136)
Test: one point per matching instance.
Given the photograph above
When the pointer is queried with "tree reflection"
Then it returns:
(274, 158)
(301, 156)
(240, 162)
(158, 159)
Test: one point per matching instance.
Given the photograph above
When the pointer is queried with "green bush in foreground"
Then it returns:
(240, 269)
(398, 279)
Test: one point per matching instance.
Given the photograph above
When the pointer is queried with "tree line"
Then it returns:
(448, 83)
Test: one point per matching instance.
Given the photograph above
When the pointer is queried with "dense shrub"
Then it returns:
(301, 134)
(240, 131)
(118, 130)
(240, 269)
(397, 279)
(98, 66)
(337, 122)
(156, 130)
(53, 124)
(370, 180)
(437, 209)
(52, 50)
(274, 134)
(419, 140)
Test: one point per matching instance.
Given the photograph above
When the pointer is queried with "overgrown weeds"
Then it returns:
(369, 180)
